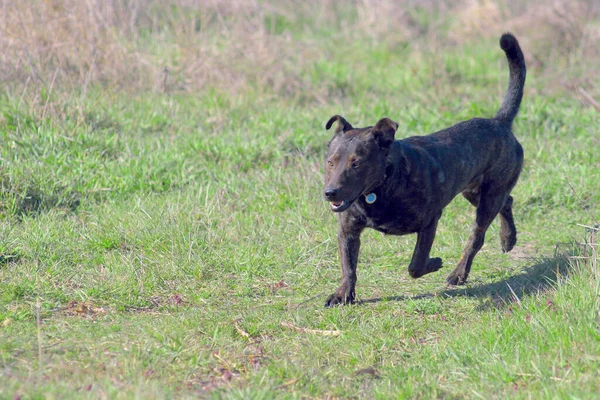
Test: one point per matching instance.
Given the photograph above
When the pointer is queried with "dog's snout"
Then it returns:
(331, 193)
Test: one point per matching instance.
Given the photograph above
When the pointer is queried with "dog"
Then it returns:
(400, 187)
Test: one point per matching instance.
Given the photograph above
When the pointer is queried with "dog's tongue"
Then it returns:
(337, 204)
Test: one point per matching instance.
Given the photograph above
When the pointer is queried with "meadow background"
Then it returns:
(163, 232)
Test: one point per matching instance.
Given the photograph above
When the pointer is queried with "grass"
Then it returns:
(153, 239)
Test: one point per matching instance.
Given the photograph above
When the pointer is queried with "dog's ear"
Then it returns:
(384, 132)
(342, 126)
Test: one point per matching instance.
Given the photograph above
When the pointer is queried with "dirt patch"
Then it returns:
(83, 309)
(524, 252)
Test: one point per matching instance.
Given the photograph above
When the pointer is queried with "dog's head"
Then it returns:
(355, 161)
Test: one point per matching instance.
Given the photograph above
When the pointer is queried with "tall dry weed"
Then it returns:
(556, 33)
(189, 45)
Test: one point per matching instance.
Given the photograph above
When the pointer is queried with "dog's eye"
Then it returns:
(355, 164)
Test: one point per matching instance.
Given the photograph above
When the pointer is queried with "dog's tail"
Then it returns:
(516, 64)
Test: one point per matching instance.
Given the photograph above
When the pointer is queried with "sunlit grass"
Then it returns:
(153, 240)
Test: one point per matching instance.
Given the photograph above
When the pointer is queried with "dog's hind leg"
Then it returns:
(508, 231)
(489, 206)
(473, 197)
(420, 263)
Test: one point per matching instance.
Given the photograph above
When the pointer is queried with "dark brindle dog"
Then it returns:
(401, 186)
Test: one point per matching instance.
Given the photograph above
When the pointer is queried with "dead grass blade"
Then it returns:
(239, 330)
(589, 98)
(310, 331)
(288, 383)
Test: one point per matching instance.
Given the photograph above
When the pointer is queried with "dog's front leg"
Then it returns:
(421, 264)
(349, 246)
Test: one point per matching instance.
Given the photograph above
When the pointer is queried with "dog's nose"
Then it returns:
(331, 193)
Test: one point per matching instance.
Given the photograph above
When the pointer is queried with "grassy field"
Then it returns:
(163, 232)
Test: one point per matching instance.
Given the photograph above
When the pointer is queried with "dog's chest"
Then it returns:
(391, 219)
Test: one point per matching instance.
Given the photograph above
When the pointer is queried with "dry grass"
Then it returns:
(145, 44)
(557, 33)
(189, 45)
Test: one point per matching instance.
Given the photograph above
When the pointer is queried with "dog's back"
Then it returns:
(480, 150)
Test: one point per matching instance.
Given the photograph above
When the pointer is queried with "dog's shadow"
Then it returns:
(537, 278)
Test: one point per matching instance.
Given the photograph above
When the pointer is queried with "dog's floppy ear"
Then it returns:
(384, 132)
(342, 126)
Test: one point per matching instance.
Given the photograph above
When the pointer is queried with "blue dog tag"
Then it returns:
(370, 198)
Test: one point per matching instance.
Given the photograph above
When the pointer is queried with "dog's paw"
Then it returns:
(508, 242)
(433, 264)
(336, 299)
(455, 279)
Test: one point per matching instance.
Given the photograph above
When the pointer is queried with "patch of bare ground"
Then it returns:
(84, 309)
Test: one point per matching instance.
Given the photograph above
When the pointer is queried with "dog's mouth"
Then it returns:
(340, 205)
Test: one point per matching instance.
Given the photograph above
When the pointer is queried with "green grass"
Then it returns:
(152, 244)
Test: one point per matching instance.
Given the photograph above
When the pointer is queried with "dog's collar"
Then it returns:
(371, 197)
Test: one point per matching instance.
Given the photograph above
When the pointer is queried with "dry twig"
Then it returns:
(589, 98)
(311, 331)
(240, 330)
